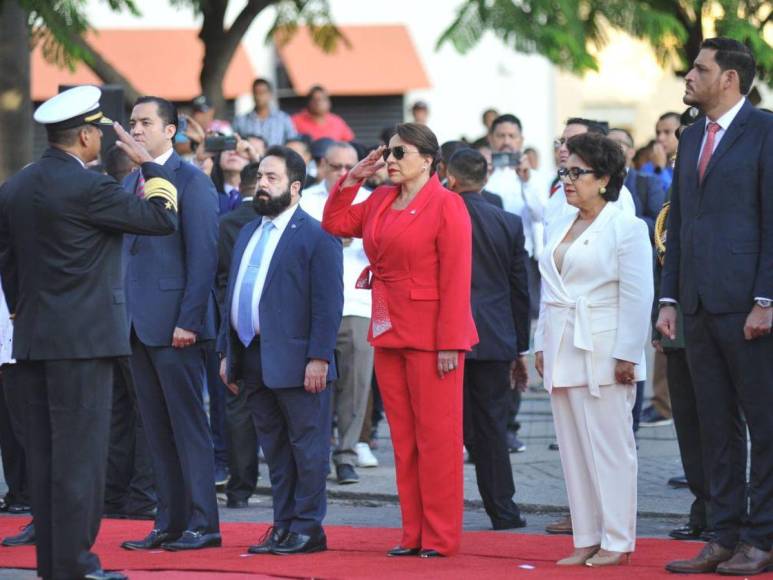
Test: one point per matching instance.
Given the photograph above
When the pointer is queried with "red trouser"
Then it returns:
(425, 420)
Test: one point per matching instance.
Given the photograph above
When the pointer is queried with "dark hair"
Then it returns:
(166, 109)
(469, 167)
(669, 115)
(303, 139)
(262, 81)
(249, 175)
(294, 164)
(315, 89)
(486, 112)
(64, 137)
(625, 132)
(117, 163)
(448, 148)
(253, 136)
(599, 127)
(421, 137)
(734, 55)
(604, 156)
(506, 118)
(387, 133)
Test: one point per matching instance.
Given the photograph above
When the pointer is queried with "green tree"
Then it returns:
(567, 31)
(57, 25)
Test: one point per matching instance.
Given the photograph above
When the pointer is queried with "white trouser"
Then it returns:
(598, 456)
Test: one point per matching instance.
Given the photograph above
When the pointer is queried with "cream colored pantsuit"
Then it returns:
(598, 457)
(593, 313)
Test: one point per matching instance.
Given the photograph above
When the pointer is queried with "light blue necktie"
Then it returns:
(244, 326)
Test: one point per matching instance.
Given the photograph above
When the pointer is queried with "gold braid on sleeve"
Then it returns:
(160, 187)
(660, 232)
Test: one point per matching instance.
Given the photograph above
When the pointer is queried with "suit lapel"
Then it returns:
(296, 222)
(408, 215)
(582, 241)
(690, 151)
(734, 131)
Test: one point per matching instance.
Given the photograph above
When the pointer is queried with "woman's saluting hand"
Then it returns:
(365, 168)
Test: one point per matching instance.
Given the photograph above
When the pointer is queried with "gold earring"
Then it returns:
(603, 190)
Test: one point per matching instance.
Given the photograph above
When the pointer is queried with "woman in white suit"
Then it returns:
(597, 293)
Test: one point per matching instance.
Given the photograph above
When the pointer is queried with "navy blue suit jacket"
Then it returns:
(301, 305)
(170, 279)
(656, 197)
(720, 232)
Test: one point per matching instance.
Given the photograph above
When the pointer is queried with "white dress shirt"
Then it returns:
(357, 301)
(6, 331)
(280, 225)
(164, 157)
(723, 122)
(521, 198)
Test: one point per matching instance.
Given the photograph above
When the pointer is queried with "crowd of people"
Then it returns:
(305, 284)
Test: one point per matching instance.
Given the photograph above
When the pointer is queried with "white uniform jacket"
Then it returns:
(598, 308)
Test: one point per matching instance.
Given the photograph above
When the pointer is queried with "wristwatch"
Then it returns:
(763, 302)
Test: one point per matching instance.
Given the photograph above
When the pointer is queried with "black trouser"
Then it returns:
(734, 376)
(217, 402)
(170, 397)
(129, 488)
(486, 389)
(67, 433)
(242, 438)
(12, 413)
(687, 424)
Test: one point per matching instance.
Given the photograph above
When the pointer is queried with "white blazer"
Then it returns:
(598, 308)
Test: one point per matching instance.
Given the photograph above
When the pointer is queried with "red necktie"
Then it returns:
(140, 189)
(708, 149)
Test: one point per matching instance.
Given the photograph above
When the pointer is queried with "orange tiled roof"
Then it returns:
(162, 62)
(381, 60)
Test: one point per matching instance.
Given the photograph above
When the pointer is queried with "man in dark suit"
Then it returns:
(61, 232)
(283, 307)
(500, 305)
(240, 429)
(170, 297)
(719, 268)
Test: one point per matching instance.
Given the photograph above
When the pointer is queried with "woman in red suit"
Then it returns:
(418, 238)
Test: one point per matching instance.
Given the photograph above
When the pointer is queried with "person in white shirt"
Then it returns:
(556, 206)
(355, 354)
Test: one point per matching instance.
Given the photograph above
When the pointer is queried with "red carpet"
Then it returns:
(356, 553)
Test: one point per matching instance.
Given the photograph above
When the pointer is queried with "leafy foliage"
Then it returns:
(570, 32)
(53, 23)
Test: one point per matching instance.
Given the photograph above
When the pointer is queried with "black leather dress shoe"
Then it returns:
(152, 541)
(271, 539)
(301, 544)
(400, 551)
(104, 575)
(509, 524)
(234, 503)
(18, 508)
(678, 482)
(686, 532)
(193, 540)
(430, 554)
(25, 538)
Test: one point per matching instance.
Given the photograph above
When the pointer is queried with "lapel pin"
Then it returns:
(413, 212)
(586, 242)
(292, 226)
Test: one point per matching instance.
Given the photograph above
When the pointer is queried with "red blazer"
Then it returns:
(421, 265)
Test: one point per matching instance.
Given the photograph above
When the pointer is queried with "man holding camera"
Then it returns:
(510, 179)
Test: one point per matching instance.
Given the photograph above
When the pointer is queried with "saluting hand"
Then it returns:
(136, 152)
(316, 376)
(366, 168)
